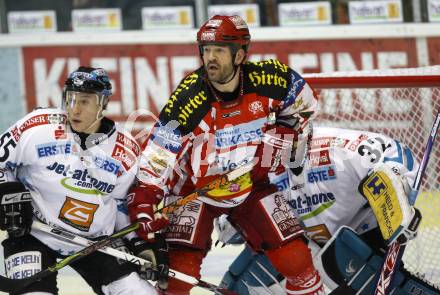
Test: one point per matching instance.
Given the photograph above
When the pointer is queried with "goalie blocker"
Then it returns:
(386, 192)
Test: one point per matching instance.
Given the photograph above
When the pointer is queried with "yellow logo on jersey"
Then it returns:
(231, 189)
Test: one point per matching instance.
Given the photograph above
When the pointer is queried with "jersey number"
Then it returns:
(376, 153)
(4, 145)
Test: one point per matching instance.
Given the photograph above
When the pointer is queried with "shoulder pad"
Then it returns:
(189, 103)
(269, 78)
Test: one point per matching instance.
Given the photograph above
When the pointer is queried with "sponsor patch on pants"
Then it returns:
(23, 265)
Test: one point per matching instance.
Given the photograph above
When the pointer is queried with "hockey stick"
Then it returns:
(396, 249)
(70, 237)
(222, 180)
(14, 285)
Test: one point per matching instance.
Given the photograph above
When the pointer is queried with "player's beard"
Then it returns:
(219, 73)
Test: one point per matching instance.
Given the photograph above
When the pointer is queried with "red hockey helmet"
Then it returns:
(225, 30)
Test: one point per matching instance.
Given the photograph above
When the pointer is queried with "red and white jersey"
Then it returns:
(325, 196)
(81, 191)
(197, 137)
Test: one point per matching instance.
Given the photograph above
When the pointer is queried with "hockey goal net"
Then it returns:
(401, 103)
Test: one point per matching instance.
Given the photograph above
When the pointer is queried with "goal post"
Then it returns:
(401, 103)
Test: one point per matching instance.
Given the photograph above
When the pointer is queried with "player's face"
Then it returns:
(218, 62)
(82, 111)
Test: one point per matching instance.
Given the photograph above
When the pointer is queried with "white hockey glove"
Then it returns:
(226, 233)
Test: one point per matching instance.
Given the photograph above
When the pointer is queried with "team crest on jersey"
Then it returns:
(78, 214)
(256, 107)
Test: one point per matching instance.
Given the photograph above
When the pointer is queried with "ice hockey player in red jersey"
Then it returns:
(227, 113)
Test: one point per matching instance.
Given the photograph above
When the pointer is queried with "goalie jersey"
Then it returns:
(79, 190)
(325, 196)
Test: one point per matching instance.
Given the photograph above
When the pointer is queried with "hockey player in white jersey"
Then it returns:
(326, 196)
(72, 167)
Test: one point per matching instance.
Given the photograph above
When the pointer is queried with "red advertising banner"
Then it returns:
(143, 76)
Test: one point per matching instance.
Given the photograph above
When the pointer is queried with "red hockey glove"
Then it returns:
(273, 153)
(142, 203)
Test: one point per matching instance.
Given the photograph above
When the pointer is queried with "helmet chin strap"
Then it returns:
(98, 119)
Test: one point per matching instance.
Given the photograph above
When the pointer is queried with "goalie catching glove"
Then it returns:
(386, 191)
(15, 209)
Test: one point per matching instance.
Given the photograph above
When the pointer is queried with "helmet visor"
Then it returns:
(82, 99)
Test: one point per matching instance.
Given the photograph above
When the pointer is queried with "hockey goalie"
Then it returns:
(352, 199)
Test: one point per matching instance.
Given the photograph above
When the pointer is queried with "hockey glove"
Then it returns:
(142, 203)
(15, 209)
(155, 251)
(121, 245)
(226, 233)
(273, 153)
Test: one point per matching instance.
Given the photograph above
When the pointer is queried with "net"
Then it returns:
(401, 103)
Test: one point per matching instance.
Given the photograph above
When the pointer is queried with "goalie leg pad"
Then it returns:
(347, 259)
(416, 286)
(251, 272)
